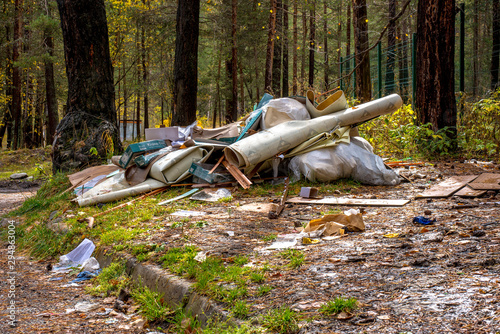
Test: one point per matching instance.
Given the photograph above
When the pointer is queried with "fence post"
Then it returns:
(341, 65)
(379, 69)
(413, 68)
(462, 47)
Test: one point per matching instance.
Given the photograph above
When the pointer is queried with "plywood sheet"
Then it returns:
(90, 173)
(349, 201)
(487, 181)
(448, 187)
(467, 191)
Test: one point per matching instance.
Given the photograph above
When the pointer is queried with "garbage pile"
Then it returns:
(286, 136)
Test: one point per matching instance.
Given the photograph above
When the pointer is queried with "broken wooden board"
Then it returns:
(486, 181)
(467, 191)
(447, 187)
(349, 201)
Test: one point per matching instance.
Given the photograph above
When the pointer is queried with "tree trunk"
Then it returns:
(363, 81)
(435, 95)
(125, 100)
(294, 49)
(284, 85)
(495, 52)
(391, 49)
(312, 42)
(91, 117)
(5, 125)
(268, 77)
(234, 63)
(348, 44)
(138, 107)
(50, 88)
(304, 48)
(475, 50)
(325, 46)
(278, 47)
(145, 82)
(16, 75)
(186, 62)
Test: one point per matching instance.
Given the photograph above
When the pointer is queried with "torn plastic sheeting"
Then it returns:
(286, 241)
(78, 255)
(174, 167)
(144, 187)
(189, 193)
(343, 161)
(323, 140)
(209, 195)
(285, 136)
(187, 213)
(88, 185)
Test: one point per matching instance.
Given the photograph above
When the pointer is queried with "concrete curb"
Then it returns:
(176, 291)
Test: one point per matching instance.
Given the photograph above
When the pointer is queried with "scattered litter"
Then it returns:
(90, 264)
(111, 321)
(230, 233)
(349, 201)
(106, 312)
(55, 279)
(308, 192)
(309, 241)
(423, 220)
(84, 276)
(337, 224)
(201, 256)
(210, 195)
(189, 193)
(391, 235)
(285, 241)
(76, 257)
(84, 307)
(187, 213)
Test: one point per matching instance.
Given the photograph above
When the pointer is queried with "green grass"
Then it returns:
(151, 304)
(282, 320)
(240, 309)
(264, 290)
(296, 257)
(269, 237)
(118, 235)
(257, 277)
(109, 281)
(338, 305)
(34, 162)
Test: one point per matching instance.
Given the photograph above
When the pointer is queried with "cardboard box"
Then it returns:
(308, 192)
(134, 150)
(171, 133)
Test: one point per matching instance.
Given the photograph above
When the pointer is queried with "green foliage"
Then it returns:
(151, 304)
(241, 260)
(257, 277)
(118, 235)
(296, 257)
(269, 237)
(240, 309)
(338, 305)
(281, 320)
(264, 289)
(109, 281)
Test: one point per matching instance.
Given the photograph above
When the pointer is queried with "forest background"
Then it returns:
(313, 49)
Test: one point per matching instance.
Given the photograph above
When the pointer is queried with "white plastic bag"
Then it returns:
(282, 110)
(78, 255)
(343, 161)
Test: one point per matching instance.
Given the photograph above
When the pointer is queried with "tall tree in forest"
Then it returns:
(16, 73)
(475, 49)
(6, 123)
(90, 121)
(186, 62)
(268, 76)
(435, 95)
(348, 42)
(304, 46)
(294, 48)
(278, 48)
(234, 64)
(391, 49)
(363, 81)
(325, 45)
(312, 41)
(495, 52)
(50, 87)
(284, 85)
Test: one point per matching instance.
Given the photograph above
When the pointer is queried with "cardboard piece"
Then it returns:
(334, 223)
(447, 187)
(486, 181)
(308, 192)
(467, 191)
(350, 201)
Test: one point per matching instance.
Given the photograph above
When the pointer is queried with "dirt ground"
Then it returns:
(441, 278)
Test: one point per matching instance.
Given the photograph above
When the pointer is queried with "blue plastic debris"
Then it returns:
(85, 275)
(423, 221)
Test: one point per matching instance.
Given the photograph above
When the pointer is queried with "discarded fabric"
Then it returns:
(84, 276)
(423, 220)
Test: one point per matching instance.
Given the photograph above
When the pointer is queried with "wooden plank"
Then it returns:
(467, 191)
(447, 187)
(274, 214)
(486, 181)
(349, 201)
(237, 174)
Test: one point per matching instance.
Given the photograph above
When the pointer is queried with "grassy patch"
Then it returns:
(240, 309)
(109, 281)
(151, 304)
(264, 290)
(118, 235)
(338, 305)
(295, 256)
(269, 237)
(35, 162)
(281, 320)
